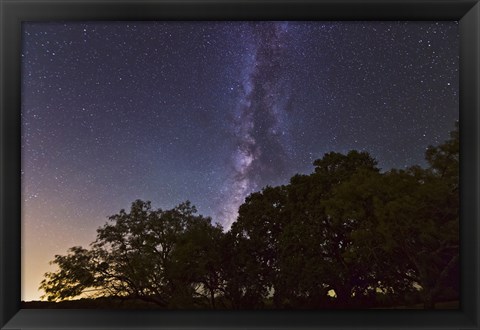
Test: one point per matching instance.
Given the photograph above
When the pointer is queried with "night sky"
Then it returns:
(212, 111)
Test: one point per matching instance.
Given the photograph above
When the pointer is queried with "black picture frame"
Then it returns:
(14, 12)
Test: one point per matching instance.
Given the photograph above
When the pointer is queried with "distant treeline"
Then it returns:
(345, 236)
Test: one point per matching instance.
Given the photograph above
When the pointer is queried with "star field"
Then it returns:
(212, 111)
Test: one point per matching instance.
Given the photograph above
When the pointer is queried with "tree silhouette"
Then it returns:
(373, 238)
(142, 254)
(296, 247)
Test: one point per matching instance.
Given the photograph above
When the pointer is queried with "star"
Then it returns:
(213, 111)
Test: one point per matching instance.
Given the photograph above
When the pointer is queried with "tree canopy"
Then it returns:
(345, 236)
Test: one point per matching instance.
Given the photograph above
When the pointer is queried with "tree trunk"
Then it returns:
(212, 298)
(428, 300)
(343, 296)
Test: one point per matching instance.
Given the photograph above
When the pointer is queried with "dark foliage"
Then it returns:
(373, 239)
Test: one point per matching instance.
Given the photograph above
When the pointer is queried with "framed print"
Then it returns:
(240, 164)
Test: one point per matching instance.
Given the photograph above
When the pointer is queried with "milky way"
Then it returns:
(212, 111)
(260, 119)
